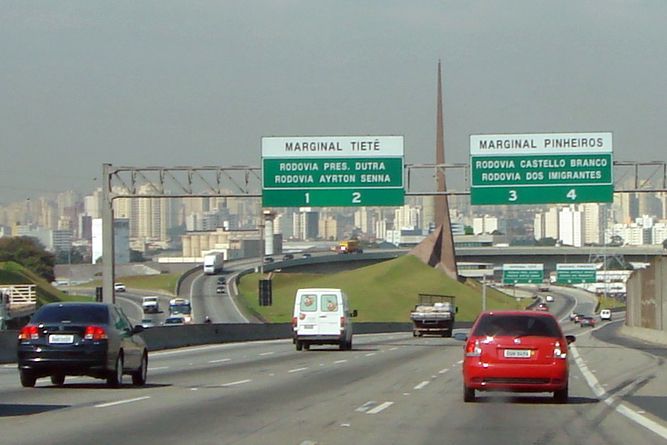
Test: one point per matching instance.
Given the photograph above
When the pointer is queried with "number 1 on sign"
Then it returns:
(307, 198)
(572, 194)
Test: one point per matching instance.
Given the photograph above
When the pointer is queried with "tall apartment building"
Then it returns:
(484, 224)
(571, 226)
(594, 223)
(407, 217)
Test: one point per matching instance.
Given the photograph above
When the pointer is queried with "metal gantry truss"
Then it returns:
(246, 182)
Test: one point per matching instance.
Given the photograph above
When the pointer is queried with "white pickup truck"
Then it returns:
(150, 305)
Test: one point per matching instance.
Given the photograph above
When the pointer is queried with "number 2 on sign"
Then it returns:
(356, 198)
(572, 194)
(513, 195)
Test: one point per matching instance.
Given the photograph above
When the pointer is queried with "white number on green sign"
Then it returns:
(513, 195)
(307, 198)
(356, 197)
(572, 194)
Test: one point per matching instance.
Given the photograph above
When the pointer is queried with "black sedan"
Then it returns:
(91, 339)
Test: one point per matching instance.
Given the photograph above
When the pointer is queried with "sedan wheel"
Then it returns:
(140, 375)
(28, 379)
(115, 378)
(561, 396)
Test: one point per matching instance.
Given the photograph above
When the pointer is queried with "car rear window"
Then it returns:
(329, 303)
(516, 325)
(74, 314)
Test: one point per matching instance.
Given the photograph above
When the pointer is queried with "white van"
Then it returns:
(605, 314)
(322, 316)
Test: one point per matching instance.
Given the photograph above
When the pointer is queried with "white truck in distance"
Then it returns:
(213, 263)
(150, 305)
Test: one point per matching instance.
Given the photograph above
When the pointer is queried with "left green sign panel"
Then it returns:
(332, 171)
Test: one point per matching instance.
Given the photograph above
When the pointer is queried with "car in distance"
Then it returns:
(586, 320)
(605, 314)
(220, 289)
(150, 305)
(175, 320)
(222, 280)
(77, 338)
(288, 256)
(147, 323)
(549, 298)
(306, 255)
(542, 307)
(119, 287)
(268, 259)
(516, 351)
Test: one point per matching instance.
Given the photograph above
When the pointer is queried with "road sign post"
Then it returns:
(576, 273)
(332, 171)
(546, 168)
(523, 273)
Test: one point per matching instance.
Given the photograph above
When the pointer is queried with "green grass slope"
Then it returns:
(385, 291)
(14, 273)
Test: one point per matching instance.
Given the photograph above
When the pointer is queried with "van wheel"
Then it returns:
(58, 379)
(299, 345)
(349, 345)
(342, 345)
(306, 346)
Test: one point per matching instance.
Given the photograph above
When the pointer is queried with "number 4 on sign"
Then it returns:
(572, 194)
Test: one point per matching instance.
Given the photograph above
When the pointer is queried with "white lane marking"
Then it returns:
(267, 353)
(121, 402)
(158, 367)
(380, 407)
(612, 401)
(422, 384)
(366, 406)
(370, 354)
(393, 349)
(442, 371)
(340, 361)
(220, 360)
(297, 370)
(238, 382)
(459, 362)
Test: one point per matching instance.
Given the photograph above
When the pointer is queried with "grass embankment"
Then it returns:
(162, 282)
(385, 291)
(609, 303)
(14, 273)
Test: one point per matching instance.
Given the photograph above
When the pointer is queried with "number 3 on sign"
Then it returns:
(356, 198)
(572, 194)
(513, 196)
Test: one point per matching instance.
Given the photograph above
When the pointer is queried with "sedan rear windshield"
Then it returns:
(74, 314)
(517, 325)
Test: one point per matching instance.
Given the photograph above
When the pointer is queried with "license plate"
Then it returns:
(308, 326)
(518, 353)
(61, 338)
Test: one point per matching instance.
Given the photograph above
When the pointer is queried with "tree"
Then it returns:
(29, 253)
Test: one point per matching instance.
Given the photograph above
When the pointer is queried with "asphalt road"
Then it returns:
(390, 389)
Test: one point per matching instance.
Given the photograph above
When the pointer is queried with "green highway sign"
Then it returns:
(523, 273)
(576, 273)
(541, 168)
(332, 171)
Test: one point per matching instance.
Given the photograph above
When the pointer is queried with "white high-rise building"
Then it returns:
(407, 217)
(362, 218)
(570, 226)
(485, 224)
(594, 223)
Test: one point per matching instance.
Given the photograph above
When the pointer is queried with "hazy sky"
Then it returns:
(169, 83)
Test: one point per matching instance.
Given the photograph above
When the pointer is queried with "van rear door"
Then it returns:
(330, 311)
(306, 323)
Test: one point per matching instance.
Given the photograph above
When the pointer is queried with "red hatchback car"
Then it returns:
(518, 351)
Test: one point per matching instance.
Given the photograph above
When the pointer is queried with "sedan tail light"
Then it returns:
(342, 323)
(29, 332)
(95, 333)
(473, 349)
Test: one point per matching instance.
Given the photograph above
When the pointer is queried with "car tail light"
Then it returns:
(95, 333)
(342, 323)
(293, 322)
(558, 352)
(473, 349)
(29, 332)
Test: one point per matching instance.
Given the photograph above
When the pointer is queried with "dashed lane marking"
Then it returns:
(422, 384)
(297, 370)
(380, 408)
(220, 360)
(238, 382)
(121, 402)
